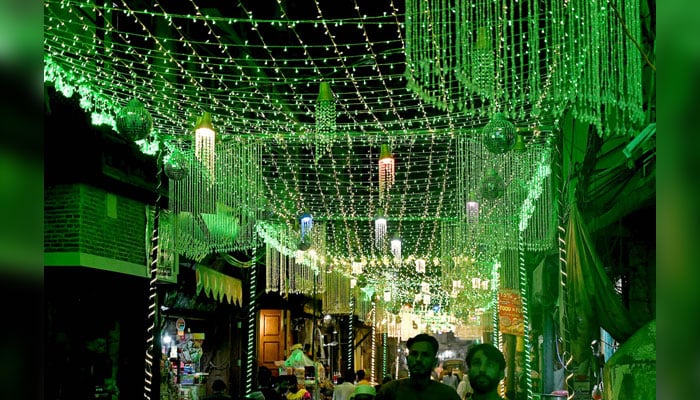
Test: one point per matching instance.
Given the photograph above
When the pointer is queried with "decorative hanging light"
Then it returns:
(386, 171)
(379, 231)
(387, 295)
(176, 165)
(472, 209)
(456, 287)
(134, 121)
(325, 110)
(485, 284)
(425, 287)
(325, 118)
(519, 145)
(306, 223)
(499, 134)
(396, 248)
(205, 141)
(476, 283)
(356, 268)
(420, 266)
(492, 185)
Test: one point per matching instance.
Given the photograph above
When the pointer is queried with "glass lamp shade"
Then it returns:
(492, 185)
(499, 134)
(133, 121)
(176, 166)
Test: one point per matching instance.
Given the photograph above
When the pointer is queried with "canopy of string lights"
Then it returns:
(460, 101)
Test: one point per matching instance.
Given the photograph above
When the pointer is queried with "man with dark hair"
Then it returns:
(295, 391)
(265, 384)
(421, 360)
(486, 370)
(361, 377)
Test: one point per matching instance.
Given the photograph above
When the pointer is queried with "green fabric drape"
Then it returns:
(218, 286)
(591, 298)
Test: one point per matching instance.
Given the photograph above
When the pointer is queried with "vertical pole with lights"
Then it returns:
(250, 345)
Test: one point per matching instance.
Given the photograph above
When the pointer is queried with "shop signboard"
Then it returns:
(510, 312)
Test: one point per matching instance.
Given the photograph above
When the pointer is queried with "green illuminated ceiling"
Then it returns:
(257, 67)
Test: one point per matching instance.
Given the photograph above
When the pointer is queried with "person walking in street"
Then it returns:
(421, 360)
(344, 389)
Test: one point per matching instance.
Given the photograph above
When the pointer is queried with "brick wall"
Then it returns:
(85, 219)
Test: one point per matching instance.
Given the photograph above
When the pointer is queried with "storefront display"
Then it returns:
(182, 375)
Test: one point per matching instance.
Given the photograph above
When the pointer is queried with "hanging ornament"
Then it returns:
(519, 143)
(379, 231)
(134, 122)
(205, 143)
(325, 110)
(176, 166)
(356, 268)
(420, 266)
(387, 295)
(396, 248)
(492, 185)
(306, 223)
(472, 209)
(386, 171)
(499, 134)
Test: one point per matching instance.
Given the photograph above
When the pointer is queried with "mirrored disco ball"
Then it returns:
(492, 185)
(499, 134)
(176, 166)
(134, 122)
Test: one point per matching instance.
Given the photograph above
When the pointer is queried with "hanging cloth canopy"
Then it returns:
(218, 286)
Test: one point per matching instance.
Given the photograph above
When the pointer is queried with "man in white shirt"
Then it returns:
(464, 389)
(450, 379)
(344, 389)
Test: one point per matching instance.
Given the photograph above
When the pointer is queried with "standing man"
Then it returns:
(450, 379)
(343, 390)
(487, 368)
(421, 359)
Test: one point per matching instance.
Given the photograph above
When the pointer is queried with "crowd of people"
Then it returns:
(486, 369)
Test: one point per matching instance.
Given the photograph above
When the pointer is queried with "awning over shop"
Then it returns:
(218, 286)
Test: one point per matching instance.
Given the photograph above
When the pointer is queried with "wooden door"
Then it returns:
(271, 339)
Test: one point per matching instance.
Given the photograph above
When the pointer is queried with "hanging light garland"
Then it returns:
(264, 108)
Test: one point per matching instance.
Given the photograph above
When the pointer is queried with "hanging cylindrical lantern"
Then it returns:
(379, 231)
(386, 171)
(472, 209)
(306, 223)
(425, 287)
(356, 268)
(205, 142)
(396, 247)
(325, 109)
(420, 266)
